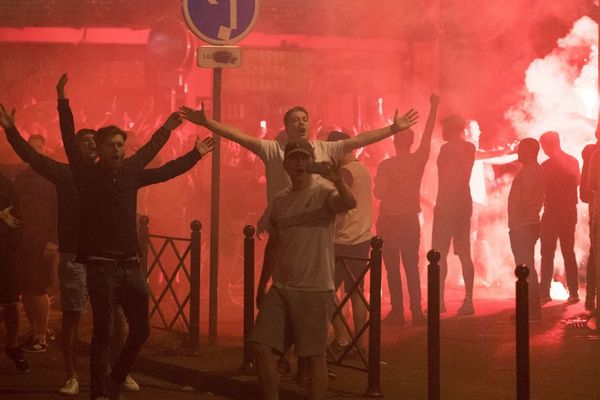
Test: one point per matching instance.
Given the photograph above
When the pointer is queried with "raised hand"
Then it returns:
(6, 120)
(60, 86)
(333, 173)
(9, 219)
(205, 146)
(197, 117)
(434, 100)
(173, 121)
(405, 121)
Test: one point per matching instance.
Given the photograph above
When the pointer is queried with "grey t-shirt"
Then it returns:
(304, 228)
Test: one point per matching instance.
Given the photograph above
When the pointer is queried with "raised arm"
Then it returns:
(343, 200)
(425, 144)
(369, 137)
(178, 166)
(67, 126)
(199, 117)
(47, 167)
(147, 152)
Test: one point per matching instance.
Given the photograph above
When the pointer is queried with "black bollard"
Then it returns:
(522, 331)
(195, 286)
(249, 231)
(433, 325)
(374, 389)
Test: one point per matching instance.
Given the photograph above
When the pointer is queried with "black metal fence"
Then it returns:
(367, 363)
(172, 265)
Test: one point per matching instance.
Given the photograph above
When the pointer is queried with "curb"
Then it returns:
(236, 386)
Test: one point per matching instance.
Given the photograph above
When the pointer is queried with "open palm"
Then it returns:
(205, 146)
(407, 120)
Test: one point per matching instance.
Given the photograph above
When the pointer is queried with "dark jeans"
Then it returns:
(110, 287)
(590, 282)
(558, 225)
(522, 244)
(590, 276)
(401, 235)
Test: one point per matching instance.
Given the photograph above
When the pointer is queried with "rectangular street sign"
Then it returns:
(219, 56)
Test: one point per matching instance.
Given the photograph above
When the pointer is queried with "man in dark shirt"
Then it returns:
(398, 186)
(586, 195)
(561, 173)
(9, 287)
(37, 256)
(453, 207)
(108, 241)
(72, 275)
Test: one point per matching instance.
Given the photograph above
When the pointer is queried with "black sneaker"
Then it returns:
(15, 354)
(33, 345)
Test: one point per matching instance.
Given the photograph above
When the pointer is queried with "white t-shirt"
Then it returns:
(272, 153)
(354, 226)
(304, 226)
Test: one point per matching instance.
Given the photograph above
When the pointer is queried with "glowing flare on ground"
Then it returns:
(558, 291)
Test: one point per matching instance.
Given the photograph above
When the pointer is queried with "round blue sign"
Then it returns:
(220, 21)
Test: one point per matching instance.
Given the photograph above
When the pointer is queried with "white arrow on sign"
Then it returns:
(225, 31)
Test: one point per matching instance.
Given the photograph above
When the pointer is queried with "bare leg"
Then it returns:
(266, 368)
(342, 336)
(70, 322)
(36, 308)
(317, 382)
(359, 314)
(468, 271)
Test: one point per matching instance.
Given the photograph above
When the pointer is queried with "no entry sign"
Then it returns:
(220, 21)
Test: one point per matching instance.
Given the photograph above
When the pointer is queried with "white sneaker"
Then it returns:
(129, 385)
(71, 387)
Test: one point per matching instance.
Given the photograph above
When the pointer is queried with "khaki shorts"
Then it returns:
(292, 316)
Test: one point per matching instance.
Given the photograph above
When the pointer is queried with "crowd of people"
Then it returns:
(319, 222)
(96, 195)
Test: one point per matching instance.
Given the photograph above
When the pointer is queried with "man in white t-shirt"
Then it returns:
(351, 245)
(297, 126)
(298, 306)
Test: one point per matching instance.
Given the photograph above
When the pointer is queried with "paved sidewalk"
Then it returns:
(47, 376)
(478, 360)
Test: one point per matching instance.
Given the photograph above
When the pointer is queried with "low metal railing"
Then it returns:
(186, 265)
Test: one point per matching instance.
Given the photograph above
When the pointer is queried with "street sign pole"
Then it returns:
(220, 23)
(215, 193)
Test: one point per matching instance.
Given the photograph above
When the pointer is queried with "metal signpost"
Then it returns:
(218, 22)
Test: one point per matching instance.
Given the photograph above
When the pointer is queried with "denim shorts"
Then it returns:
(73, 287)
